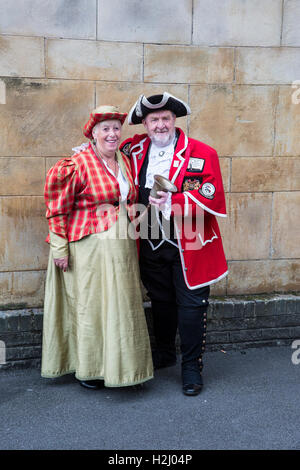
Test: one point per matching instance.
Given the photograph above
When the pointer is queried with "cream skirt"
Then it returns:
(94, 321)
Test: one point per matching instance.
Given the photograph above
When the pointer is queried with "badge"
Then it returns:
(207, 190)
(126, 149)
(191, 183)
(195, 164)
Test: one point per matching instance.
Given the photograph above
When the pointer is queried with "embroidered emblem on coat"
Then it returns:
(191, 183)
(126, 149)
(195, 164)
(207, 190)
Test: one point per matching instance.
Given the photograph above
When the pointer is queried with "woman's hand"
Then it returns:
(159, 202)
(62, 263)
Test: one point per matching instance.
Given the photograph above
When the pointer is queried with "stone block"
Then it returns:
(246, 230)
(29, 287)
(23, 229)
(263, 276)
(217, 337)
(38, 320)
(188, 64)
(265, 174)
(22, 176)
(12, 318)
(264, 307)
(219, 288)
(249, 308)
(290, 26)
(94, 60)
(125, 94)
(6, 287)
(225, 171)
(26, 289)
(287, 142)
(23, 352)
(21, 338)
(245, 335)
(237, 23)
(286, 225)
(50, 161)
(224, 309)
(21, 57)
(261, 65)
(44, 117)
(235, 120)
(293, 305)
(295, 332)
(144, 21)
(50, 18)
(26, 321)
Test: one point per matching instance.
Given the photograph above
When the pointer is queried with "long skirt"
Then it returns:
(94, 321)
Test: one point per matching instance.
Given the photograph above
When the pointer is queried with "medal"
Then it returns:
(161, 153)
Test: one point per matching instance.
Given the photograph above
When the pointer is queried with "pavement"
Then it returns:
(250, 401)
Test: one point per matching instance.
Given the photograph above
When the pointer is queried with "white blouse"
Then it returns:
(123, 183)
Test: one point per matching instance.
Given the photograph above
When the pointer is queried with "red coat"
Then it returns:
(196, 173)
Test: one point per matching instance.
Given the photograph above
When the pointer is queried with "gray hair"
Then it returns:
(94, 130)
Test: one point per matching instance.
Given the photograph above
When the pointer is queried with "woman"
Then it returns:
(94, 322)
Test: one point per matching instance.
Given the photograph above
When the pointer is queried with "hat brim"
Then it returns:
(99, 117)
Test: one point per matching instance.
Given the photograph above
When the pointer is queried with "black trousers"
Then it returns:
(173, 304)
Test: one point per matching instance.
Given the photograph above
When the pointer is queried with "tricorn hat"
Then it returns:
(102, 113)
(166, 101)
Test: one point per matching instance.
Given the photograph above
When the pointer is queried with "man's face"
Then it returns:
(160, 127)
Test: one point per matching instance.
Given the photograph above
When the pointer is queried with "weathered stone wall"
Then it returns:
(233, 323)
(234, 61)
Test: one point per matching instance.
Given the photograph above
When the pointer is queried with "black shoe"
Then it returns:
(160, 360)
(192, 382)
(92, 384)
(191, 389)
(138, 386)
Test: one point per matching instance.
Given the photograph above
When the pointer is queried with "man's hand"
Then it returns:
(62, 263)
(159, 202)
(80, 148)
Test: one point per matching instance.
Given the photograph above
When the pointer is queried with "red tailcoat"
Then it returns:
(195, 171)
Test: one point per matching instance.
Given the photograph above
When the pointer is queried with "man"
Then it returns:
(178, 265)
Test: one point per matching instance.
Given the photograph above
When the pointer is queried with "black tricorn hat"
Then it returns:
(145, 106)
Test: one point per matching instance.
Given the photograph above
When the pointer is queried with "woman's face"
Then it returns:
(108, 136)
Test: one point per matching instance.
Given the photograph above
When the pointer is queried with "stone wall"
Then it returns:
(233, 61)
(233, 323)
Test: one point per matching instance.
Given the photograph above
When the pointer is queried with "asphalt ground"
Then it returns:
(250, 401)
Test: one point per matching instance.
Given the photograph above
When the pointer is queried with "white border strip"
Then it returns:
(183, 268)
(203, 206)
(208, 241)
(182, 159)
(134, 154)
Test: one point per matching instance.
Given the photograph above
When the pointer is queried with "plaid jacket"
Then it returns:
(82, 196)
